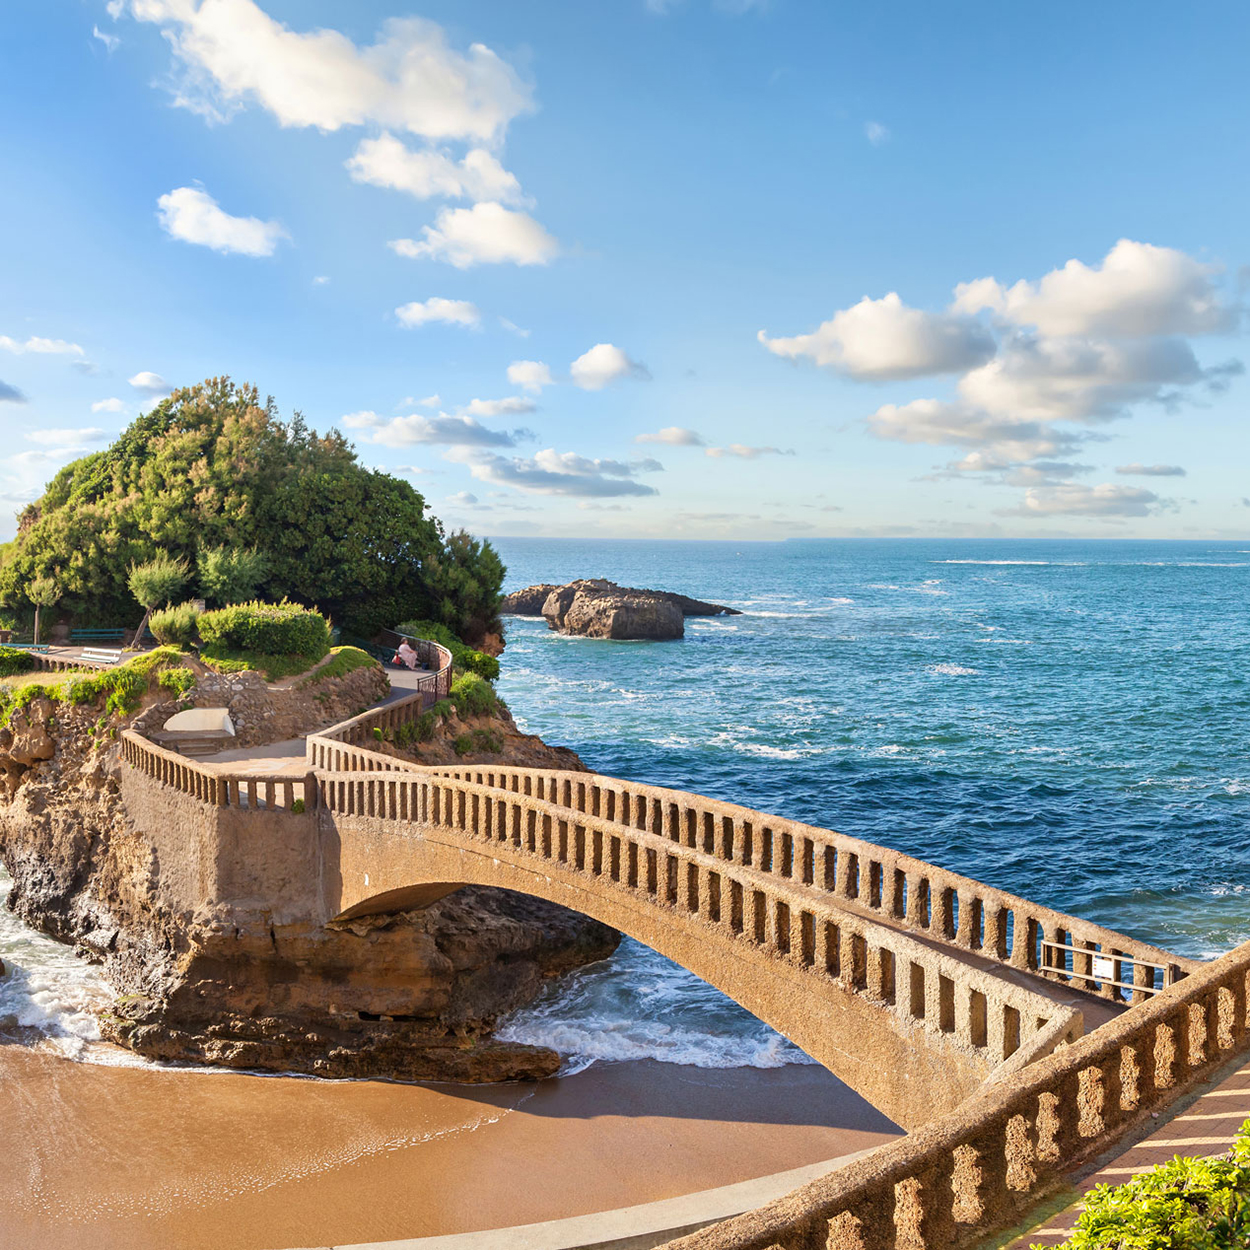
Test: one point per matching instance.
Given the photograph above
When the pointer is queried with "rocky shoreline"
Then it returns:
(597, 608)
(410, 995)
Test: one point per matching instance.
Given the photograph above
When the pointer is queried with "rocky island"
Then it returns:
(597, 608)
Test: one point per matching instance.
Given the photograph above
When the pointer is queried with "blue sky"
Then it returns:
(703, 268)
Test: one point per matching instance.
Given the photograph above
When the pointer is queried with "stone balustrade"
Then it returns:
(250, 791)
(875, 880)
(957, 1003)
(983, 1166)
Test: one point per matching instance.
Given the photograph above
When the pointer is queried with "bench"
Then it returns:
(100, 655)
(41, 647)
(92, 636)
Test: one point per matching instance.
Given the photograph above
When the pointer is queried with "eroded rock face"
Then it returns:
(595, 608)
(410, 995)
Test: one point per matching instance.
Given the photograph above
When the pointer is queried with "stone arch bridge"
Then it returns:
(936, 997)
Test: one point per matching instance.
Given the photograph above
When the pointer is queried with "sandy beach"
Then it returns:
(106, 1158)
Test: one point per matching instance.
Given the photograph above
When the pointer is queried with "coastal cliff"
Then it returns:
(596, 608)
(252, 983)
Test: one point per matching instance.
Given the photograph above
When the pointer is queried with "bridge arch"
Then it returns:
(907, 1025)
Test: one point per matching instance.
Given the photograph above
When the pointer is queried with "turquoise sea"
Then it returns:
(1066, 719)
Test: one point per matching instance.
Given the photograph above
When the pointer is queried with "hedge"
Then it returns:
(14, 660)
(268, 628)
(176, 627)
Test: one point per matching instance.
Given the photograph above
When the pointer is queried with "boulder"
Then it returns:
(593, 612)
(598, 608)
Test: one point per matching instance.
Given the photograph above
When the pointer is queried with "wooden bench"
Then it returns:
(100, 655)
(95, 636)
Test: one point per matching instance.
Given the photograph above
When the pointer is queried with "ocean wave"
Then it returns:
(953, 670)
(639, 1005)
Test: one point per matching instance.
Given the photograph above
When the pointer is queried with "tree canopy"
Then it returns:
(212, 468)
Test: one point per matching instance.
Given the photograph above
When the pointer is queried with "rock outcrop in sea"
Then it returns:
(596, 608)
(409, 995)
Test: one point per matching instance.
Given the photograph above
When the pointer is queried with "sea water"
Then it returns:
(1067, 720)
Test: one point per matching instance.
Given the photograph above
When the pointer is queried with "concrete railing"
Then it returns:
(983, 1166)
(253, 791)
(960, 1005)
(875, 880)
(430, 687)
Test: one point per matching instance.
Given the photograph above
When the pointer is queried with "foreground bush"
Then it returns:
(175, 627)
(268, 629)
(14, 660)
(1187, 1204)
(465, 658)
(473, 695)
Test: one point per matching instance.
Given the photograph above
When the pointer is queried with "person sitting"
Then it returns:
(406, 655)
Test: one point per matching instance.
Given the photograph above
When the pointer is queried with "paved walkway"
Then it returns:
(1201, 1128)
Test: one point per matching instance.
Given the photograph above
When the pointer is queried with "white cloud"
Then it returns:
(486, 234)
(513, 328)
(555, 473)
(464, 498)
(66, 438)
(876, 133)
(1072, 499)
(999, 441)
(512, 405)
(673, 436)
(108, 405)
(743, 452)
(409, 79)
(109, 41)
(604, 363)
(1081, 379)
(457, 312)
(530, 375)
(10, 394)
(150, 383)
(1139, 290)
(415, 429)
(1150, 470)
(192, 215)
(388, 162)
(884, 339)
(320, 280)
(40, 347)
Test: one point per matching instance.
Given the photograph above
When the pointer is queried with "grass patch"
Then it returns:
(121, 688)
(343, 660)
(478, 742)
(223, 659)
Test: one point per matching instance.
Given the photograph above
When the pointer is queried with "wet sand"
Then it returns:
(111, 1158)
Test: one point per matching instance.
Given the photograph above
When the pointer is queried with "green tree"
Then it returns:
(43, 592)
(213, 467)
(155, 583)
(230, 574)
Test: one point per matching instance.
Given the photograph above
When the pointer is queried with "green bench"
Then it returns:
(94, 636)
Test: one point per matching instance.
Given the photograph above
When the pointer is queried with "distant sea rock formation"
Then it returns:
(595, 608)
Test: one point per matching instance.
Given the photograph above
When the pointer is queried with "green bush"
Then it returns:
(1187, 1204)
(13, 660)
(478, 741)
(176, 627)
(177, 680)
(230, 574)
(464, 658)
(268, 628)
(473, 695)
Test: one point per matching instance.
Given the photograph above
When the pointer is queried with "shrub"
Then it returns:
(13, 660)
(480, 741)
(297, 807)
(268, 628)
(1187, 1204)
(176, 627)
(230, 574)
(178, 680)
(464, 658)
(472, 695)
